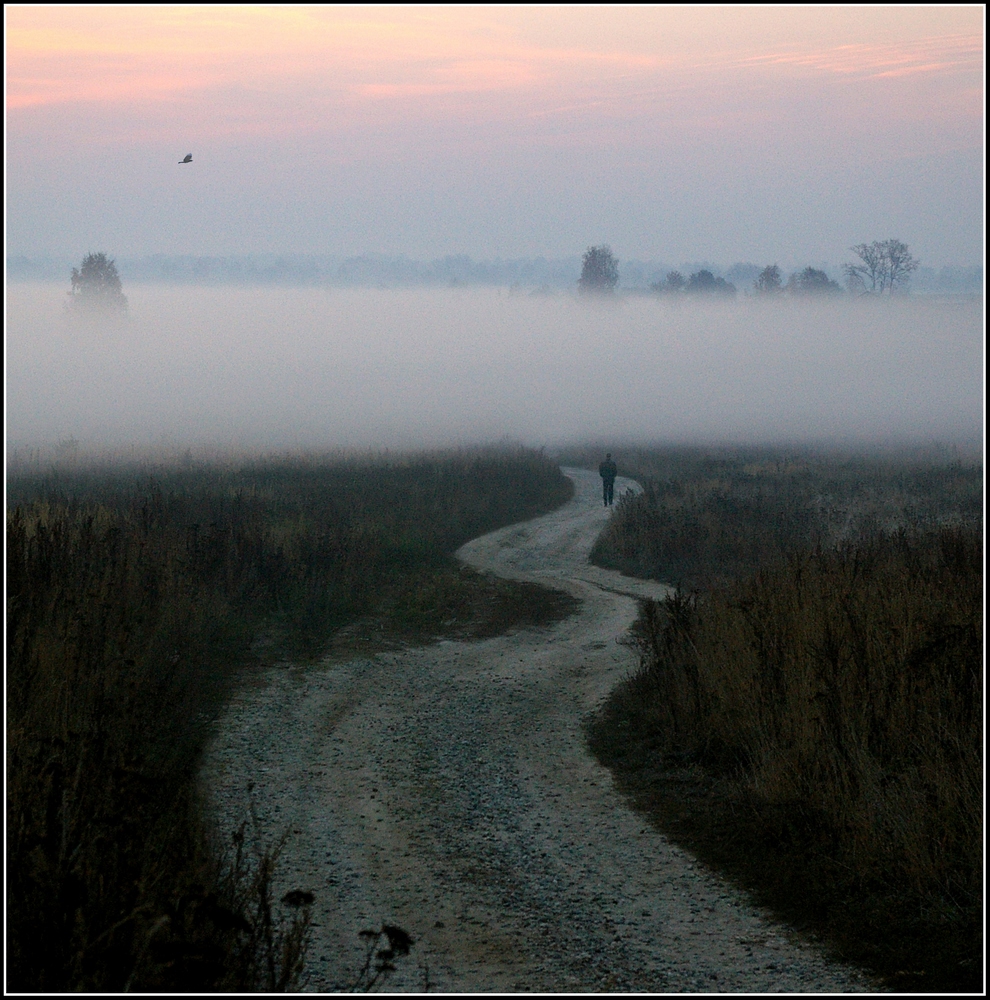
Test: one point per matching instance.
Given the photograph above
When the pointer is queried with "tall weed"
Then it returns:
(808, 711)
(829, 712)
(132, 602)
(710, 515)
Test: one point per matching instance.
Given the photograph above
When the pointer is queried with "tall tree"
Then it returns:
(811, 281)
(768, 282)
(673, 284)
(885, 264)
(900, 263)
(599, 271)
(703, 282)
(96, 284)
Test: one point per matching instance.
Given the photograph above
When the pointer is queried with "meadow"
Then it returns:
(137, 598)
(807, 715)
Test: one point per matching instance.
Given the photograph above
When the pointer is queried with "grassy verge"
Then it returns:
(133, 602)
(711, 515)
(813, 727)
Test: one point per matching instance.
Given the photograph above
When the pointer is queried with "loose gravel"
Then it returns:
(448, 790)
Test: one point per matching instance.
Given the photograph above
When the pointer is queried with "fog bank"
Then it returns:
(255, 368)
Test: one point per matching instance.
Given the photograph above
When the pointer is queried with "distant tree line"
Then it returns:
(810, 281)
(558, 274)
(884, 267)
(702, 282)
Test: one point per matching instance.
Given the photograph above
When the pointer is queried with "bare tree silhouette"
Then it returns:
(885, 265)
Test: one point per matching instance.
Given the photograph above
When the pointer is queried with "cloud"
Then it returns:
(950, 53)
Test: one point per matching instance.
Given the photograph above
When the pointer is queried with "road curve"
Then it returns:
(448, 790)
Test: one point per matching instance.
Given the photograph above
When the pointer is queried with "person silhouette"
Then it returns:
(608, 471)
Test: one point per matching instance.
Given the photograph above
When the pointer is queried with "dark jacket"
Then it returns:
(608, 470)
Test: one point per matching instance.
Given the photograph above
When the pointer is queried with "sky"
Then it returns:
(676, 133)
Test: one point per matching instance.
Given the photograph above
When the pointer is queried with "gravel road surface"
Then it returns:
(448, 790)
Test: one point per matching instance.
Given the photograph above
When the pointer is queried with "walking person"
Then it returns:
(608, 471)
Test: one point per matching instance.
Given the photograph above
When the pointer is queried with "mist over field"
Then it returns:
(263, 368)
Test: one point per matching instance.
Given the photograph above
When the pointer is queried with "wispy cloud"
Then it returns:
(928, 55)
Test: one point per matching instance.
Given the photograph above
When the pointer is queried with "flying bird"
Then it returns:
(188, 158)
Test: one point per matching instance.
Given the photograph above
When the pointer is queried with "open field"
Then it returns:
(708, 515)
(135, 601)
(807, 718)
(810, 729)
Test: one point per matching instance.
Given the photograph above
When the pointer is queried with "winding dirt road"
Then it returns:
(448, 790)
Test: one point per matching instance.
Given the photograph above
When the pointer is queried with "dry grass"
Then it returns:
(132, 603)
(816, 730)
(808, 713)
(711, 515)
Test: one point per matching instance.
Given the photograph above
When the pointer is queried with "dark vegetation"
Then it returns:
(709, 516)
(807, 715)
(382, 949)
(96, 286)
(133, 603)
(599, 271)
(702, 282)
(801, 284)
(811, 281)
(380, 271)
(885, 266)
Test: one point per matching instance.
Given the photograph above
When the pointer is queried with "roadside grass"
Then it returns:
(134, 601)
(811, 722)
(707, 516)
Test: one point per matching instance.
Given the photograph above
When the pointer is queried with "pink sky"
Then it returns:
(673, 133)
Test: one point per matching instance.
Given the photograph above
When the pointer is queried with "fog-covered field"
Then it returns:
(302, 368)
